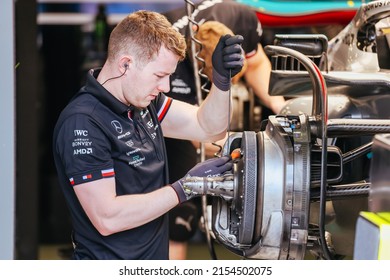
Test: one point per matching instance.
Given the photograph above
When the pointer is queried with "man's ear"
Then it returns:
(125, 62)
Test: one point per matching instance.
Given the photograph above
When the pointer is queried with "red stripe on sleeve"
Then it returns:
(164, 109)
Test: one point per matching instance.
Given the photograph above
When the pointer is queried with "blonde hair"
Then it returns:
(142, 34)
(209, 34)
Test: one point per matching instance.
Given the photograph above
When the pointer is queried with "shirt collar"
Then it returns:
(96, 89)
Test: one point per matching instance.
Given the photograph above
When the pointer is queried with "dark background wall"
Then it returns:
(28, 113)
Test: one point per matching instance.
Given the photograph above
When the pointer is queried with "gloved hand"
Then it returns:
(227, 56)
(208, 168)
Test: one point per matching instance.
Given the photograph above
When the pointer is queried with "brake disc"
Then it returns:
(247, 189)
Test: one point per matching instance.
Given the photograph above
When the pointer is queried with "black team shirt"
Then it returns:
(98, 137)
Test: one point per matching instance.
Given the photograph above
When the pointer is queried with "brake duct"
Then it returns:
(268, 216)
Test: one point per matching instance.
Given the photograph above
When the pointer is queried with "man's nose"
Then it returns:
(164, 85)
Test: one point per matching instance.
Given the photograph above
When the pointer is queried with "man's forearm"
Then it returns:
(213, 114)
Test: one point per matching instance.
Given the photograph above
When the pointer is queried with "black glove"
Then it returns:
(228, 60)
(208, 168)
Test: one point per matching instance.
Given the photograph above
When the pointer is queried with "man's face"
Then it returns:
(144, 84)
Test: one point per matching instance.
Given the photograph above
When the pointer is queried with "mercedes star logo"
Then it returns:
(117, 125)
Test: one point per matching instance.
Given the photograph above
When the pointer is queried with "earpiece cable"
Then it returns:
(115, 77)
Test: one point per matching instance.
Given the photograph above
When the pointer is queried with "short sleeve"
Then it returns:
(162, 103)
(84, 150)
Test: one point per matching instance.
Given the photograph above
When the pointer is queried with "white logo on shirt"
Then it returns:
(117, 125)
(183, 22)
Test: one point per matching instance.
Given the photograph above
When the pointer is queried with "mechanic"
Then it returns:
(108, 142)
(239, 19)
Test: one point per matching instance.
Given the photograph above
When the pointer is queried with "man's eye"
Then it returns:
(161, 76)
